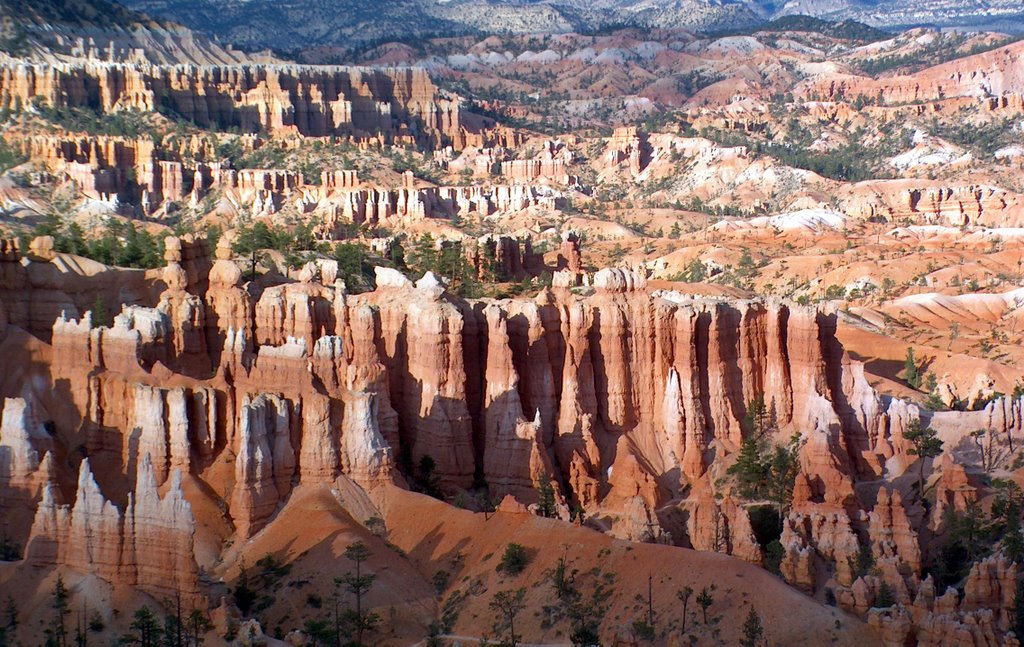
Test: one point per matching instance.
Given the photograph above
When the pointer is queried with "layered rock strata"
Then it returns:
(627, 402)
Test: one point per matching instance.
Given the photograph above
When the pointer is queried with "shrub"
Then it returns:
(643, 630)
(885, 597)
(773, 556)
(514, 561)
(440, 581)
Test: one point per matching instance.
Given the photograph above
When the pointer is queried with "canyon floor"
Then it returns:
(633, 337)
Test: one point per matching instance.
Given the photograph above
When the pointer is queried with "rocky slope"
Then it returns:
(312, 25)
(386, 104)
(896, 14)
(97, 29)
(317, 24)
(700, 352)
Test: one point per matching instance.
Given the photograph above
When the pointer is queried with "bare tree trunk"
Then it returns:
(920, 478)
(650, 601)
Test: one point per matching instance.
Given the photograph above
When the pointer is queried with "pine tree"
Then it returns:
(245, 596)
(100, 313)
(10, 623)
(910, 369)
(545, 498)
(358, 620)
(11, 614)
(252, 240)
(781, 468)
(1018, 609)
(145, 629)
(684, 597)
(1013, 543)
(753, 631)
(428, 479)
(582, 598)
(705, 600)
(749, 470)
(756, 416)
(507, 605)
(925, 444)
(1006, 511)
(351, 258)
(885, 597)
(81, 629)
(57, 632)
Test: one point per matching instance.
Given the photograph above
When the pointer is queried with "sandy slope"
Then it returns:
(433, 533)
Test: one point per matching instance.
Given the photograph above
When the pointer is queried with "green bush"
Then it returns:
(773, 556)
(514, 561)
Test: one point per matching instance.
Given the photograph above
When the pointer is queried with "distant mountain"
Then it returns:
(304, 25)
(81, 13)
(843, 29)
(73, 29)
(994, 15)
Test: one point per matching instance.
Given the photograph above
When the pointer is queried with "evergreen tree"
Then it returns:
(782, 466)
(453, 264)
(756, 418)
(319, 633)
(925, 444)
(74, 240)
(1006, 509)
(11, 614)
(507, 605)
(514, 560)
(10, 551)
(351, 258)
(885, 597)
(174, 625)
(1013, 543)
(145, 629)
(911, 370)
(582, 599)
(10, 622)
(753, 631)
(428, 479)
(695, 272)
(422, 255)
(684, 596)
(56, 633)
(969, 529)
(749, 470)
(358, 621)
(705, 600)
(100, 312)
(253, 240)
(865, 561)
(245, 596)
(1018, 609)
(81, 628)
(545, 498)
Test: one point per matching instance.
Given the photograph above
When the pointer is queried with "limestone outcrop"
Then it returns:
(627, 403)
(361, 103)
(149, 545)
(981, 617)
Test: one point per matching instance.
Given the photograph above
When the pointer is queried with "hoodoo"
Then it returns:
(450, 323)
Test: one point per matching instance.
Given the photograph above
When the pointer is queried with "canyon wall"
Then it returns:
(122, 170)
(626, 401)
(387, 104)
